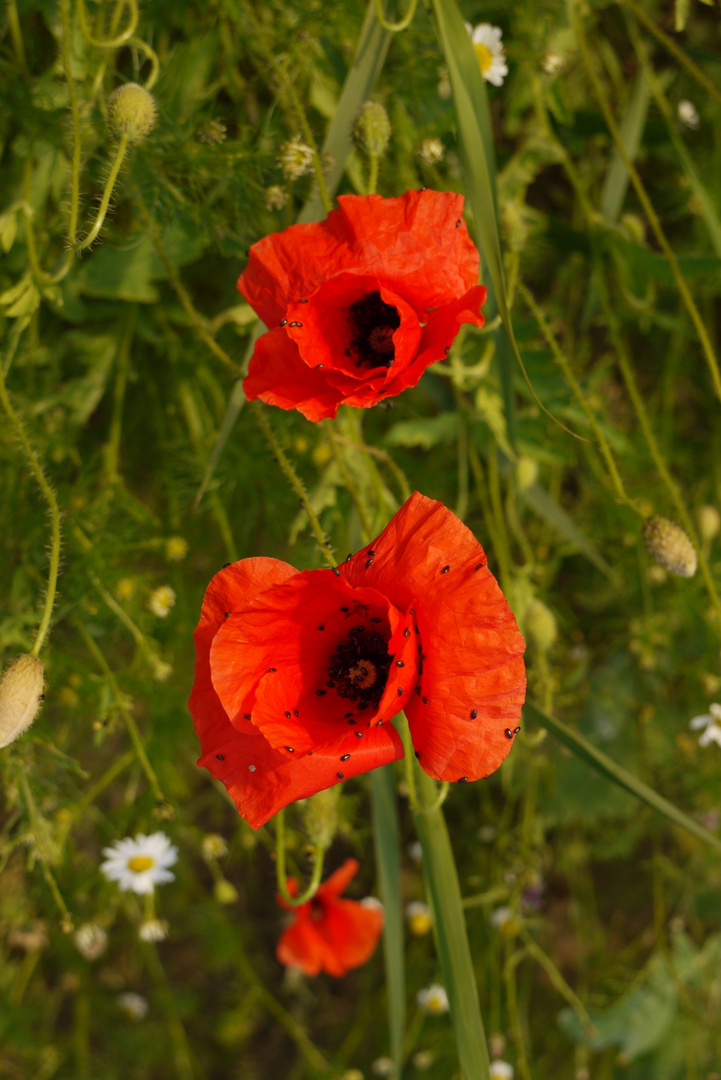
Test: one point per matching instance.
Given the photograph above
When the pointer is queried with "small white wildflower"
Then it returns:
(153, 930)
(176, 548)
(432, 151)
(352, 1074)
(373, 903)
(501, 917)
(141, 863)
(489, 50)
(161, 600)
(709, 724)
(383, 1066)
(501, 1070)
(433, 999)
(687, 114)
(275, 197)
(91, 941)
(213, 847)
(132, 1006)
(418, 915)
(552, 63)
(295, 158)
(487, 834)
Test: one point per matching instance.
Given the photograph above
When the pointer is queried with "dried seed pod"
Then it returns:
(670, 547)
(21, 694)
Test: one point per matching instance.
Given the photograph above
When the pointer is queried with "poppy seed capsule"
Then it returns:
(132, 112)
(372, 129)
(670, 547)
(21, 693)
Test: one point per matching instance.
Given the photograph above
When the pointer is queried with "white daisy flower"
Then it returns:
(161, 600)
(372, 903)
(432, 151)
(418, 915)
(132, 1006)
(501, 1070)
(687, 114)
(552, 63)
(489, 50)
(433, 999)
(501, 917)
(90, 940)
(141, 863)
(415, 851)
(214, 846)
(383, 1066)
(709, 725)
(295, 158)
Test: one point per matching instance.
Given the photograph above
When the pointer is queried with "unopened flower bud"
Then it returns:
(321, 817)
(372, 129)
(540, 625)
(132, 112)
(709, 522)
(526, 473)
(91, 941)
(670, 547)
(225, 892)
(21, 694)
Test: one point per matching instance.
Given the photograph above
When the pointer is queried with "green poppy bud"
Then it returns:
(670, 547)
(372, 130)
(320, 815)
(132, 112)
(21, 694)
(540, 625)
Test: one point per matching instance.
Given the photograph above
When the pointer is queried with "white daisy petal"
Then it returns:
(140, 863)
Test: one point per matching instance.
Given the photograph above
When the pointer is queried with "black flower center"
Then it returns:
(359, 667)
(373, 322)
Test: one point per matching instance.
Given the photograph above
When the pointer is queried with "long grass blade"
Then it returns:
(618, 775)
(449, 928)
(617, 178)
(540, 501)
(387, 844)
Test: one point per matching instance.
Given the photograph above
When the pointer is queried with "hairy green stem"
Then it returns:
(110, 43)
(107, 195)
(280, 873)
(49, 494)
(75, 117)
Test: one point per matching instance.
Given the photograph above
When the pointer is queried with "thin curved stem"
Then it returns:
(40, 832)
(348, 481)
(402, 24)
(309, 893)
(111, 43)
(648, 209)
(152, 56)
(373, 173)
(16, 35)
(75, 117)
(107, 194)
(295, 482)
(49, 494)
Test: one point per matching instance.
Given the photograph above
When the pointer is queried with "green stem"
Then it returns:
(295, 482)
(40, 833)
(107, 195)
(111, 43)
(130, 724)
(372, 173)
(509, 977)
(373, 451)
(75, 117)
(651, 215)
(312, 889)
(79, 808)
(557, 980)
(52, 502)
(112, 449)
(348, 481)
(402, 24)
(182, 1057)
(16, 35)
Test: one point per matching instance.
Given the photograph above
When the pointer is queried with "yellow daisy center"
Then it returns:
(139, 863)
(485, 57)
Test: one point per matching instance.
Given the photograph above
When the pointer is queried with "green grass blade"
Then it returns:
(387, 844)
(360, 80)
(449, 928)
(617, 179)
(616, 773)
(364, 71)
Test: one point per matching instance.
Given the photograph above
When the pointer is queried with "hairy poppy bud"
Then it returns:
(132, 112)
(540, 625)
(670, 547)
(709, 522)
(526, 472)
(372, 129)
(321, 817)
(21, 693)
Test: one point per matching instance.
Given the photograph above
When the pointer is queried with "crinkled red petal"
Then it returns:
(418, 239)
(278, 376)
(337, 882)
(468, 697)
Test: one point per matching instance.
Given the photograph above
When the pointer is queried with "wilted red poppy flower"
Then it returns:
(329, 934)
(360, 304)
(298, 673)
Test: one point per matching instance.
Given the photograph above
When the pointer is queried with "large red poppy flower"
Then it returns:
(329, 934)
(360, 304)
(299, 673)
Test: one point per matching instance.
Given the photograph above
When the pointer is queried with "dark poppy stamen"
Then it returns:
(359, 668)
(373, 323)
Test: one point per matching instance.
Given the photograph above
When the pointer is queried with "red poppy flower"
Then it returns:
(329, 934)
(298, 673)
(360, 304)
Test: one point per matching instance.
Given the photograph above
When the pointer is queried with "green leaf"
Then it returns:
(616, 773)
(426, 432)
(387, 845)
(21, 299)
(616, 182)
